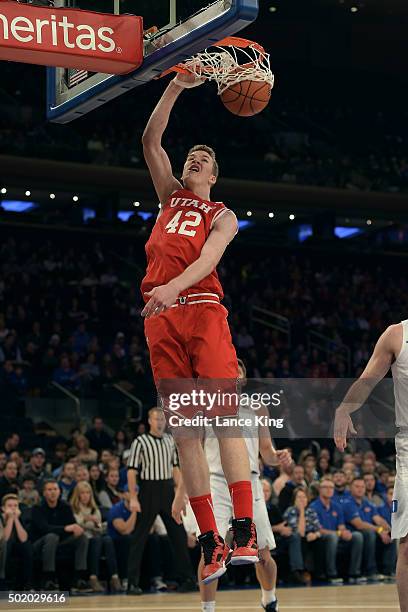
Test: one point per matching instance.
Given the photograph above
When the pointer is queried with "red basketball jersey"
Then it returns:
(177, 239)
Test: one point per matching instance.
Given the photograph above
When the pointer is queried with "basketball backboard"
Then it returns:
(174, 30)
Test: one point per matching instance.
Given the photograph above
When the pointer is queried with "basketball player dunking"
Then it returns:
(186, 326)
(391, 351)
(258, 441)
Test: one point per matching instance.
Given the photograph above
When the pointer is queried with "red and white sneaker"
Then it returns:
(216, 556)
(244, 543)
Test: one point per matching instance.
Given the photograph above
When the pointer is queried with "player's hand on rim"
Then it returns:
(161, 298)
(187, 80)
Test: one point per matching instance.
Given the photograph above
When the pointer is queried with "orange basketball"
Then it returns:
(246, 98)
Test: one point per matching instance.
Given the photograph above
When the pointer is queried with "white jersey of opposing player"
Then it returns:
(251, 436)
(399, 371)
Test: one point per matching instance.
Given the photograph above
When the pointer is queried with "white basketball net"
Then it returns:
(231, 65)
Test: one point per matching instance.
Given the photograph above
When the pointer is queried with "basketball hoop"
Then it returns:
(235, 60)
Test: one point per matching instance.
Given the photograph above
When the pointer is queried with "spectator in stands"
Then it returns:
(305, 526)
(67, 480)
(279, 525)
(361, 515)
(60, 457)
(81, 473)
(9, 480)
(65, 375)
(28, 495)
(36, 467)
(285, 474)
(15, 536)
(123, 469)
(141, 429)
(98, 437)
(244, 340)
(81, 339)
(53, 529)
(114, 463)
(96, 481)
(382, 481)
(268, 491)
(10, 350)
(121, 523)
(112, 490)
(341, 492)
(120, 442)
(18, 460)
(105, 460)
(309, 466)
(323, 466)
(371, 494)
(3, 461)
(389, 560)
(84, 454)
(12, 443)
(335, 536)
(368, 465)
(88, 516)
(286, 494)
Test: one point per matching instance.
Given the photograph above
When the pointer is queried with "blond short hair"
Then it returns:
(210, 152)
(7, 497)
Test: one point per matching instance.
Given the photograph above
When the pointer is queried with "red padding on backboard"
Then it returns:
(70, 38)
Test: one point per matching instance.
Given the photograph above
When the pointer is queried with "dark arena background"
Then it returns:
(317, 272)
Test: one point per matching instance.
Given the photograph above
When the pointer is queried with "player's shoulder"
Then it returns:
(224, 216)
(391, 339)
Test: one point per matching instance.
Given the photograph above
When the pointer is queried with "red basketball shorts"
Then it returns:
(191, 349)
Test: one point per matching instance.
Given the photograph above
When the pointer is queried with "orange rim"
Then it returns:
(229, 41)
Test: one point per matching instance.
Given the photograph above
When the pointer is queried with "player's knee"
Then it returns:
(265, 555)
(186, 446)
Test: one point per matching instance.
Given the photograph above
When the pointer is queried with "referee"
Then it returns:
(153, 465)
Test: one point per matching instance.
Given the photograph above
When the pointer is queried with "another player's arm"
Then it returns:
(220, 236)
(377, 367)
(269, 454)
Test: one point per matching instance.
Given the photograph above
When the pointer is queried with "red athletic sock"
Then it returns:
(203, 510)
(241, 495)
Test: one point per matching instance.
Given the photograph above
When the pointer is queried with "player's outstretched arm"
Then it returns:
(379, 364)
(156, 157)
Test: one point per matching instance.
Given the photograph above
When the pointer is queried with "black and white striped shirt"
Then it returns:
(153, 457)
